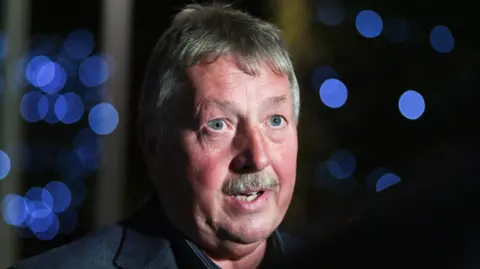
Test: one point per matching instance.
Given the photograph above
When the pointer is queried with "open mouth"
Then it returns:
(249, 197)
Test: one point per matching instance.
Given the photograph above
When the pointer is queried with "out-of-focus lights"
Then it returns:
(322, 73)
(33, 106)
(333, 93)
(103, 118)
(79, 44)
(14, 210)
(386, 181)
(5, 165)
(57, 82)
(331, 15)
(53, 225)
(94, 71)
(369, 24)
(441, 39)
(86, 145)
(341, 164)
(411, 105)
(69, 108)
(40, 71)
(61, 195)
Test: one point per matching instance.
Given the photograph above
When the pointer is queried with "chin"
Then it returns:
(250, 230)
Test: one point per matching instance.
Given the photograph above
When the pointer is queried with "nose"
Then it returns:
(253, 155)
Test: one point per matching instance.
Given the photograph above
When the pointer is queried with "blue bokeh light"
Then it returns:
(93, 71)
(33, 106)
(69, 108)
(40, 71)
(103, 118)
(39, 202)
(14, 210)
(369, 24)
(387, 181)
(86, 145)
(61, 195)
(331, 15)
(50, 116)
(322, 73)
(53, 226)
(341, 164)
(411, 105)
(37, 221)
(441, 39)
(396, 30)
(333, 93)
(5, 165)
(79, 44)
(57, 82)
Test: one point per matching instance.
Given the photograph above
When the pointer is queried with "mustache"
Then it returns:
(246, 183)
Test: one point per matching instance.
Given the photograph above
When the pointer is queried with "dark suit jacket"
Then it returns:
(146, 240)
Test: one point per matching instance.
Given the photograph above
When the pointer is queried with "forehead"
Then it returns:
(224, 80)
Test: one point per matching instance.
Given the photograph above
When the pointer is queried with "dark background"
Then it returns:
(436, 156)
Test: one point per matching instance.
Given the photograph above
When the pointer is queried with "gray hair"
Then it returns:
(200, 31)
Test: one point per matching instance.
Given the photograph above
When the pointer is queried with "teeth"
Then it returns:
(249, 197)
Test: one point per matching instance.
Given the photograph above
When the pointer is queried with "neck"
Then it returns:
(239, 257)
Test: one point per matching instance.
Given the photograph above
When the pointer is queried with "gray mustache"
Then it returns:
(250, 182)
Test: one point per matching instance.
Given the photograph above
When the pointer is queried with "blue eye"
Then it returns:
(216, 124)
(276, 120)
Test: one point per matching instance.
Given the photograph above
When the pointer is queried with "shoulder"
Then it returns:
(96, 250)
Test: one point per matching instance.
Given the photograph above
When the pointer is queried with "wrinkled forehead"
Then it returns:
(224, 79)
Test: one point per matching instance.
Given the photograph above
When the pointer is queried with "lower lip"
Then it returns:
(250, 207)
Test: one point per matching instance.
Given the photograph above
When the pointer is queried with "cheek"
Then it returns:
(207, 168)
(284, 162)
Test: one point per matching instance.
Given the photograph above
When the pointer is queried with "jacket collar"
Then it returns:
(150, 241)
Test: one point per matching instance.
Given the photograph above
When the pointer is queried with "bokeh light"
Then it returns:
(14, 210)
(386, 181)
(51, 231)
(69, 108)
(57, 82)
(331, 14)
(40, 71)
(341, 164)
(5, 165)
(33, 106)
(411, 105)
(93, 71)
(333, 93)
(322, 73)
(79, 44)
(103, 118)
(61, 195)
(441, 39)
(369, 24)
(86, 145)
(51, 117)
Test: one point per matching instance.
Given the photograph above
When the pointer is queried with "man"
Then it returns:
(218, 120)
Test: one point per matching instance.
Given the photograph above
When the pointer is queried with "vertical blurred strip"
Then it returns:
(110, 186)
(17, 22)
(293, 17)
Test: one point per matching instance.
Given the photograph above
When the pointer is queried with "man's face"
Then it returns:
(238, 155)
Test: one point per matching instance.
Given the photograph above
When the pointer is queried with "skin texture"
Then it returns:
(230, 124)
